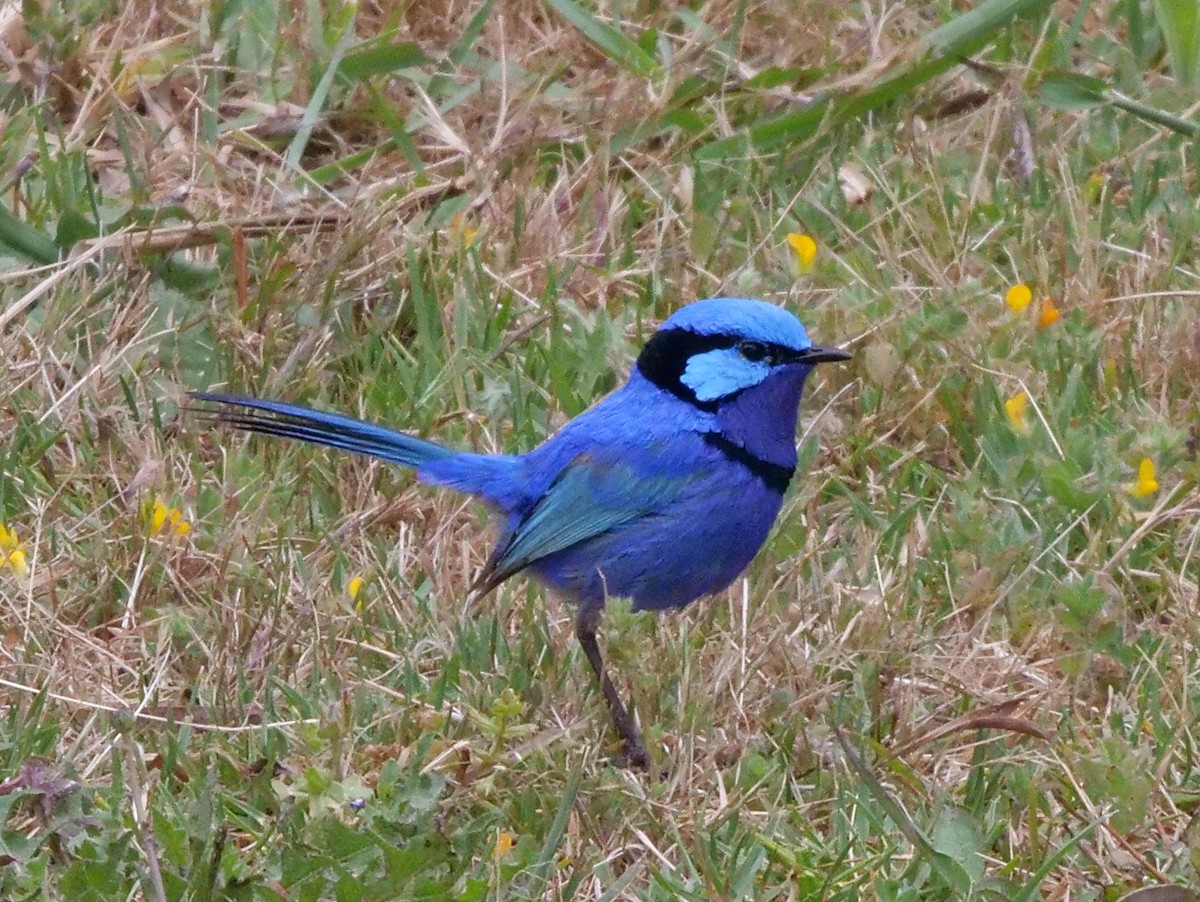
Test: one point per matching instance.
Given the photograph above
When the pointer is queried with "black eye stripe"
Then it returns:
(666, 355)
(665, 358)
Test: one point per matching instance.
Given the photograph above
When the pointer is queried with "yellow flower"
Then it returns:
(162, 517)
(1018, 297)
(1016, 407)
(352, 589)
(463, 232)
(1049, 315)
(805, 249)
(1147, 483)
(504, 844)
(12, 552)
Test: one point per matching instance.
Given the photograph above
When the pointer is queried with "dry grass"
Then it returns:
(1006, 653)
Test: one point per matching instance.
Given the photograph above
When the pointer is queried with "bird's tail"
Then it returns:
(331, 429)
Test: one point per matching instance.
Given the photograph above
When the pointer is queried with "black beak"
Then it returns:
(817, 354)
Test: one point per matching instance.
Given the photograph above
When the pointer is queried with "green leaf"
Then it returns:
(184, 275)
(72, 228)
(956, 835)
(689, 121)
(789, 128)
(620, 49)
(648, 41)
(18, 235)
(1117, 775)
(1081, 602)
(375, 58)
(980, 24)
(1180, 23)
(13, 843)
(1069, 91)
(774, 77)
(1061, 480)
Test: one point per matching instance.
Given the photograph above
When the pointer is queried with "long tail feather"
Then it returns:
(319, 428)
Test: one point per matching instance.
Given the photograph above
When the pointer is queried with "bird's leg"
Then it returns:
(634, 750)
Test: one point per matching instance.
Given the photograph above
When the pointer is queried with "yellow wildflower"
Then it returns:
(805, 249)
(162, 518)
(461, 230)
(1018, 297)
(1147, 482)
(1017, 407)
(12, 552)
(1049, 315)
(504, 844)
(352, 589)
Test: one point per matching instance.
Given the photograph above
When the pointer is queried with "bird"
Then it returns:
(662, 492)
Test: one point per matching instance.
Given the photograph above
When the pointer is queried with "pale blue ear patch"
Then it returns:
(715, 374)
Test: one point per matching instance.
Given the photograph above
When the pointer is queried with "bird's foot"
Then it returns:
(633, 757)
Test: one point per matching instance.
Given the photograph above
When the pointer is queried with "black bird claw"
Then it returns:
(634, 757)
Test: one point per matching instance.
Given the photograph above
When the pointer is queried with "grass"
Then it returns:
(965, 665)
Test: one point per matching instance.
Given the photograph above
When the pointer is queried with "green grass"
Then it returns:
(965, 665)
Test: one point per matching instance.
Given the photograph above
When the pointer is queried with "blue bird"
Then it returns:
(662, 492)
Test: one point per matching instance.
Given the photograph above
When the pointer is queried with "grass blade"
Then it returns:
(980, 24)
(1181, 126)
(380, 58)
(23, 238)
(558, 827)
(458, 53)
(1180, 24)
(620, 49)
(320, 94)
(949, 870)
(1069, 91)
(944, 48)
(1030, 892)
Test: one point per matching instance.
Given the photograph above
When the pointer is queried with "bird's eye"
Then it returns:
(755, 351)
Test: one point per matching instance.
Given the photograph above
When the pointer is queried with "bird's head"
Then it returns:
(714, 351)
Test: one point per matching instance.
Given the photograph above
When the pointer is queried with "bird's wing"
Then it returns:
(587, 499)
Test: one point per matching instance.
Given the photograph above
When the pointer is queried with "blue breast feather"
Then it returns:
(661, 544)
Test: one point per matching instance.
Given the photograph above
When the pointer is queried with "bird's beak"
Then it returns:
(817, 354)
